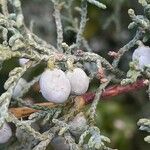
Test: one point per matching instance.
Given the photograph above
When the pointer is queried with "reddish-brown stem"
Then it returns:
(87, 98)
(116, 90)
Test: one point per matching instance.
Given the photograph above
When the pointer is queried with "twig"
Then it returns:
(84, 99)
(4, 7)
(96, 3)
(82, 23)
(128, 46)
(57, 15)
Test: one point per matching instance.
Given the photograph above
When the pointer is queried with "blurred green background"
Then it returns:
(106, 30)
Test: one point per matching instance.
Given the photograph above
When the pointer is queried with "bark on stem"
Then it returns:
(85, 98)
(116, 90)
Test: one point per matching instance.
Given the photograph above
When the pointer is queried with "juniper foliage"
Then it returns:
(17, 40)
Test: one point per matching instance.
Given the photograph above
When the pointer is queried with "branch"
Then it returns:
(85, 98)
(117, 90)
